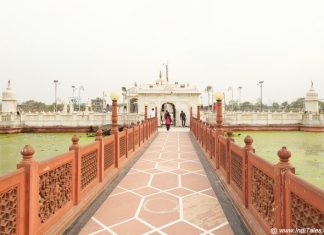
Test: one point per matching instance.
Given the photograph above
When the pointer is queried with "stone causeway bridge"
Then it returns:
(146, 180)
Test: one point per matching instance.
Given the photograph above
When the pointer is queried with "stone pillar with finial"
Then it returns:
(32, 189)
(248, 148)
(99, 139)
(76, 148)
(114, 126)
(280, 171)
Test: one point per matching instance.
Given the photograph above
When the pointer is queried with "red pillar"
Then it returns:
(76, 147)
(198, 112)
(280, 170)
(114, 130)
(248, 147)
(32, 184)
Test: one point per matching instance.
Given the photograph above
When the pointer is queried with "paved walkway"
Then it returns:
(165, 192)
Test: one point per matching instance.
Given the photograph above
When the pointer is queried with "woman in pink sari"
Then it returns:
(167, 121)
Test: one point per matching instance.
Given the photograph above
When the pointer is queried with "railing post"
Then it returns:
(77, 185)
(211, 141)
(32, 189)
(248, 147)
(133, 127)
(116, 149)
(146, 129)
(126, 139)
(280, 170)
(139, 133)
(99, 138)
(207, 140)
(228, 156)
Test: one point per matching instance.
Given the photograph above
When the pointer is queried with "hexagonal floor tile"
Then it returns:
(132, 227)
(203, 211)
(181, 228)
(165, 181)
(195, 182)
(135, 180)
(160, 209)
(144, 165)
(117, 209)
(191, 166)
(167, 166)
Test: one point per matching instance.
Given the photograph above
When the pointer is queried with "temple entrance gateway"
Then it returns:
(163, 95)
(170, 107)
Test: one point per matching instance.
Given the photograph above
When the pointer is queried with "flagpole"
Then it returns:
(167, 73)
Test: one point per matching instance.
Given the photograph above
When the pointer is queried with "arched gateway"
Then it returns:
(164, 95)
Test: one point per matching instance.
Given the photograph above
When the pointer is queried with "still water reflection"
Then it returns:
(46, 145)
(307, 150)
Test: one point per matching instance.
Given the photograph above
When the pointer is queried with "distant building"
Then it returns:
(164, 96)
(98, 104)
(312, 101)
(9, 101)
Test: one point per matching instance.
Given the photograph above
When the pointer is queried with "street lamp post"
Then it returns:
(55, 101)
(260, 85)
(124, 92)
(114, 115)
(219, 96)
(80, 88)
(240, 96)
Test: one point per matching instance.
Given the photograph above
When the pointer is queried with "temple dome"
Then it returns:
(312, 94)
(9, 95)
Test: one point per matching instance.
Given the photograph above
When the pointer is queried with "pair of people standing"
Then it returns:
(168, 120)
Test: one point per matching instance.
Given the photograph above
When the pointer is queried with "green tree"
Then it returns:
(298, 104)
(275, 106)
(246, 106)
(285, 105)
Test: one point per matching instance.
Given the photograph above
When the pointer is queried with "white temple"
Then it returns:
(311, 101)
(163, 96)
(9, 101)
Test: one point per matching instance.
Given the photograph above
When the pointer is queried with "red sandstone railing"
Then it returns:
(268, 196)
(45, 197)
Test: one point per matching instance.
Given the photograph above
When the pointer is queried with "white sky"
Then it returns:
(104, 45)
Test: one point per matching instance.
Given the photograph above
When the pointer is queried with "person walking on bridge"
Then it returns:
(183, 118)
(167, 120)
(152, 113)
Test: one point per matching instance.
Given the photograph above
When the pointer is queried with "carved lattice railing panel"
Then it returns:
(122, 146)
(304, 215)
(55, 190)
(88, 168)
(130, 141)
(109, 150)
(237, 170)
(222, 153)
(262, 195)
(8, 211)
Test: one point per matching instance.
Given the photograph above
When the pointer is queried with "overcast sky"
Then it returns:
(104, 45)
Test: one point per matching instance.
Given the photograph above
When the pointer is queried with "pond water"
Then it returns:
(307, 149)
(46, 145)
